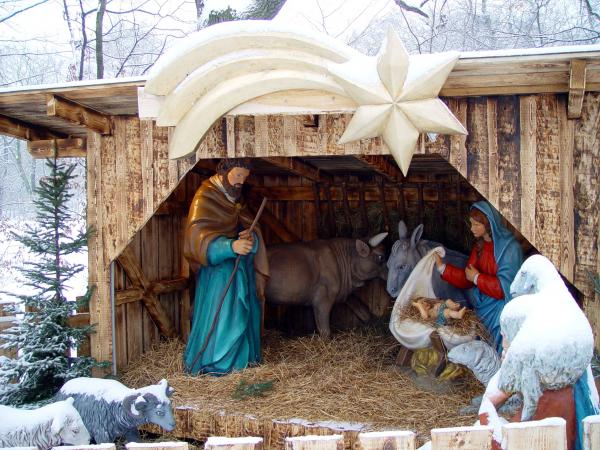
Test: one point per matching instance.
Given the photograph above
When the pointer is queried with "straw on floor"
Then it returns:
(348, 378)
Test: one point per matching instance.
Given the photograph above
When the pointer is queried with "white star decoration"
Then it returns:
(397, 97)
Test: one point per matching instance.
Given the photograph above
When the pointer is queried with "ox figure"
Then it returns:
(323, 272)
(405, 255)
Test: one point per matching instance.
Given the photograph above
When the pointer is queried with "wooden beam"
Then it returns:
(577, 76)
(79, 320)
(300, 168)
(23, 130)
(67, 148)
(158, 288)
(383, 166)
(131, 266)
(78, 114)
(371, 193)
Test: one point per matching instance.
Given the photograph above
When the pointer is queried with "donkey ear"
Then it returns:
(416, 236)
(402, 230)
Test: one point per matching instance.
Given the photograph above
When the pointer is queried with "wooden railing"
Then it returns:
(548, 434)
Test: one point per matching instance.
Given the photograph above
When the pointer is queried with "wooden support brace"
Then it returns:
(23, 130)
(237, 443)
(577, 78)
(332, 442)
(80, 115)
(300, 168)
(543, 434)
(66, 148)
(160, 287)
(465, 438)
(383, 166)
(392, 440)
(129, 263)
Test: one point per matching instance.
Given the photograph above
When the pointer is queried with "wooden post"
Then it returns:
(465, 438)
(318, 209)
(331, 442)
(591, 433)
(386, 215)
(237, 443)
(364, 226)
(421, 204)
(546, 434)
(81, 447)
(401, 202)
(388, 440)
(158, 446)
(330, 212)
(347, 216)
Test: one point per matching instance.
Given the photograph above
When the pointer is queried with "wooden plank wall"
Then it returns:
(129, 176)
(539, 169)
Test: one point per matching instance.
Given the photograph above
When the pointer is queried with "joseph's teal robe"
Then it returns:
(235, 341)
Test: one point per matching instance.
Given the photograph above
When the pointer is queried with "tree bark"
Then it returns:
(99, 39)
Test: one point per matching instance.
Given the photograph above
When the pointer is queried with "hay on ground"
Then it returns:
(348, 378)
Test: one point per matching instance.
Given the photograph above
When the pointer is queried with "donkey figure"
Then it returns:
(406, 253)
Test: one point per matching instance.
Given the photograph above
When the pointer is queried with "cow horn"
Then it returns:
(129, 406)
(376, 240)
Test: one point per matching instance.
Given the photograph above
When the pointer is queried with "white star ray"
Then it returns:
(431, 116)
(397, 97)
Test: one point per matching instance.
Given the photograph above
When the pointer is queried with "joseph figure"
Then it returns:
(217, 231)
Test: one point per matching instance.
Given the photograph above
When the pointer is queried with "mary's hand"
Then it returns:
(470, 272)
(438, 261)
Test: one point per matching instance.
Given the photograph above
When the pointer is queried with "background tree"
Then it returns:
(42, 335)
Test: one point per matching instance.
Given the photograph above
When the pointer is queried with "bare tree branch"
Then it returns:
(27, 8)
(409, 8)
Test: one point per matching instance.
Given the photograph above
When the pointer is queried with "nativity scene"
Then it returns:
(253, 266)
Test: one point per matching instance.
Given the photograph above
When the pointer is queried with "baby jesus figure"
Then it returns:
(440, 310)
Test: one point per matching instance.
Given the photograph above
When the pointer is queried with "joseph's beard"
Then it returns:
(234, 191)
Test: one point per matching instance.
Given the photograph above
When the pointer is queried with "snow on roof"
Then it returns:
(550, 52)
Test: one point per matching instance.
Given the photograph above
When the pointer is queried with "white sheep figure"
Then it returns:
(483, 361)
(46, 427)
(110, 409)
(550, 339)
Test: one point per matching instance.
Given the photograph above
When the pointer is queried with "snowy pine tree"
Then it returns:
(41, 334)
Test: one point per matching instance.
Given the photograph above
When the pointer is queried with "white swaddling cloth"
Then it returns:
(412, 334)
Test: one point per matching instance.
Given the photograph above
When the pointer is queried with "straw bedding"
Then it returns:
(348, 378)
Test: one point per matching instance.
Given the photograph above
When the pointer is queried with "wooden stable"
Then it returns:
(532, 151)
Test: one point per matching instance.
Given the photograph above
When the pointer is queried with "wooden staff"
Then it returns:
(224, 294)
